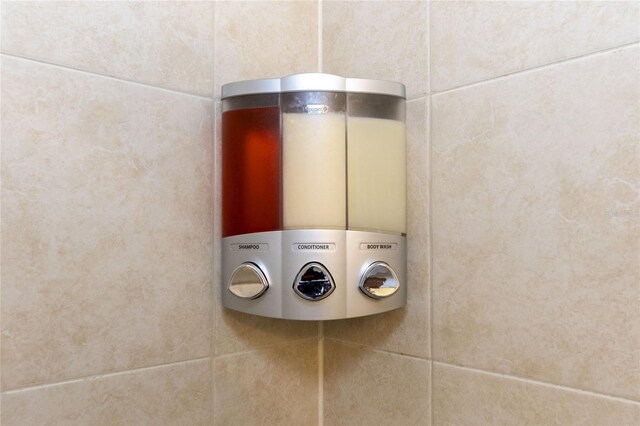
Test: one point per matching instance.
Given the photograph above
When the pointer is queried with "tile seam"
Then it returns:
(105, 76)
(537, 68)
(267, 347)
(102, 375)
(214, 207)
(428, 100)
(418, 99)
(538, 382)
(320, 35)
(211, 97)
(489, 372)
(379, 350)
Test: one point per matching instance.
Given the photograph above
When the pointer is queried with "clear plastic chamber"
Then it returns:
(310, 153)
(251, 167)
(376, 163)
(313, 160)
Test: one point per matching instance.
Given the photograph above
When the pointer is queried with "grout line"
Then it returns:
(419, 98)
(102, 375)
(320, 35)
(538, 382)
(108, 77)
(378, 350)
(429, 212)
(478, 370)
(321, 373)
(428, 34)
(537, 68)
(213, 421)
(214, 50)
(214, 207)
(215, 265)
(266, 347)
(430, 240)
(430, 390)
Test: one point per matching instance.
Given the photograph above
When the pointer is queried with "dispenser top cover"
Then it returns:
(313, 82)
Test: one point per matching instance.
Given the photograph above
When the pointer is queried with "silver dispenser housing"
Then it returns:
(314, 209)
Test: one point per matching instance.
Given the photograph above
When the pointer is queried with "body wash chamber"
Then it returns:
(313, 201)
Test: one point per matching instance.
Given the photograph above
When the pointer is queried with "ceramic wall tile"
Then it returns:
(169, 44)
(465, 397)
(405, 330)
(167, 395)
(276, 386)
(382, 40)
(365, 387)
(265, 39)
(237, 331)
(106, 225)
(473, 40)
(535, 224)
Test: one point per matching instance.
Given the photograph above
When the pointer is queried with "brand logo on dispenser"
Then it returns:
(379, 246)
(314, 247)
(250, 247)
(316, 109)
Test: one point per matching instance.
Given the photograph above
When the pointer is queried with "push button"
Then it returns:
(313, 282)
(248, 281)
(379, 281)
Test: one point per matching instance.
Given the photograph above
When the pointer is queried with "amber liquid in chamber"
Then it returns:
(250, 171)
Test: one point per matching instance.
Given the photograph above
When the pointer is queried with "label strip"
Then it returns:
(314, 247)
(379, 246)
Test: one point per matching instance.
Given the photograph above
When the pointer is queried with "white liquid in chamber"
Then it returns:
(376, 176)
(314, 175)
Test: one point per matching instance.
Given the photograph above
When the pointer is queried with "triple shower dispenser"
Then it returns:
(314, 197)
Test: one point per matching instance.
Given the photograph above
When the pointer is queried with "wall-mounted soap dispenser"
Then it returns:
(313, 201)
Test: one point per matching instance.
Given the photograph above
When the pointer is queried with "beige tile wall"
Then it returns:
(382, 40)
(476, 40)
(535, 273)
(265, 39)
(107, 239)
(370, 387)
(273, 386)
(107, 245)
(466, 397)
(175, 394)
(168, 44)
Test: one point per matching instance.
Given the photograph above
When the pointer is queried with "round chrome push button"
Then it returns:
(248, 281)
(313, 282)
(379, 281)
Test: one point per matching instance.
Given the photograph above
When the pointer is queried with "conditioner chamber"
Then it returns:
(313, 202)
